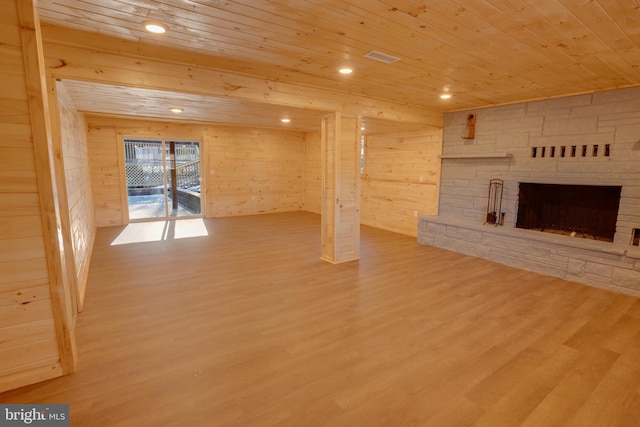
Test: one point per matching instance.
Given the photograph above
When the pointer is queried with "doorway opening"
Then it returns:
(163, 178)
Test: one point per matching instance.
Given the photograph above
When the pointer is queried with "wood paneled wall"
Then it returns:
(78, 184)
(400, 179)
(312, 198)
(28, 343)
(253, 171)
(392, 191)
(104, 167)
(246, 170)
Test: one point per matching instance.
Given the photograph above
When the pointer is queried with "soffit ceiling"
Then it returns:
(483, 52)
(140, 103)
(147, 103)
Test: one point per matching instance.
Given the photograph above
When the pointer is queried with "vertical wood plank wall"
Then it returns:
(312, 196)
(253, 171)
(105, 175)
(248, 171)
(241, 164)
(78, 183)
(401, 179)
(28, 348)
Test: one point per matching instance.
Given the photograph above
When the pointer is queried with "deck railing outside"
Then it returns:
(144, 165)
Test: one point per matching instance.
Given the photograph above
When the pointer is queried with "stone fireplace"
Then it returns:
(585, 148)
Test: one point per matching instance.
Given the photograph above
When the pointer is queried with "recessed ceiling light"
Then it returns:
(346, 70)
(285, 120)
(445, 96)
(362, 128)
(155, 27)
(176, 110)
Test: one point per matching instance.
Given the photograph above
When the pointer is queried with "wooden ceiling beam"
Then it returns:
(76, 55)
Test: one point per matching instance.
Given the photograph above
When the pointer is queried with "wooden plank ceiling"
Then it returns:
(482, 52)
(131, 102)
(147, 103)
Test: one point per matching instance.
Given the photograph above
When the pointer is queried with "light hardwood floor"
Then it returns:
(247, 327)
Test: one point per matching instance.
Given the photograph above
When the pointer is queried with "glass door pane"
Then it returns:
(163, 178)
(146, 179)
(183, 178)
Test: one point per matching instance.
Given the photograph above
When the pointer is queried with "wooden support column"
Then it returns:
(340, 188)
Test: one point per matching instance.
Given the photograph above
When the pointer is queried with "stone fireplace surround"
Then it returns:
(504, 148)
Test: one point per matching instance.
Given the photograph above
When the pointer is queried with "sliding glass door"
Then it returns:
(163, 178)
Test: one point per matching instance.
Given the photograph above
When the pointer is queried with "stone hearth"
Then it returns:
(602, 264)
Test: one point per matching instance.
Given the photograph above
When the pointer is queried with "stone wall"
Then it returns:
(503, 148)
(608, 118)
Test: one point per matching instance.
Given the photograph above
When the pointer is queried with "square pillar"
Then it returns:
(340, 240)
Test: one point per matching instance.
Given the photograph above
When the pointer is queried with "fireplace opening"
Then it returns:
(588, 211)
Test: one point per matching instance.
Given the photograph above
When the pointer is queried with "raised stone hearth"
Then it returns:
(584, 140)
(606, 265)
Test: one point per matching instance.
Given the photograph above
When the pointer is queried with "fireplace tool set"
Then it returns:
(494, 203)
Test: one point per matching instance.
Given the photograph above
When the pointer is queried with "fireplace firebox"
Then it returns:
(588, 211)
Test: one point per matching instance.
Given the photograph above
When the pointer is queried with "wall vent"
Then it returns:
(381, 57)
(572, 151)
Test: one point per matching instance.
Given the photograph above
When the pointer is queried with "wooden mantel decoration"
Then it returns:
(470, 127)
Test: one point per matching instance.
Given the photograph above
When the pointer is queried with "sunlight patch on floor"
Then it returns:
(187, 228)
(155, 231)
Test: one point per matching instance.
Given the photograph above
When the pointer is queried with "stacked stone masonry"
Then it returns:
(609, 120)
